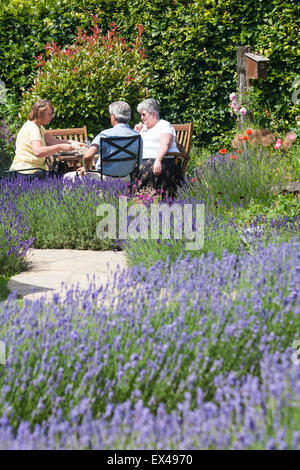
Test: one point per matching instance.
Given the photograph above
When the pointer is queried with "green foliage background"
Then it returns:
(82, 80)
(190, 48)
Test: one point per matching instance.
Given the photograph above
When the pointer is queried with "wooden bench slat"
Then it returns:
(75, 133)
(184, 139)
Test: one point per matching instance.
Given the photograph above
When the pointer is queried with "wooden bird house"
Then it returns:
(256, 66)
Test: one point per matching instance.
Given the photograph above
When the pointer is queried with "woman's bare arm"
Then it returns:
(42, 152)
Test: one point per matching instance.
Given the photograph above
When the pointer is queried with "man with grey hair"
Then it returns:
(120, 114)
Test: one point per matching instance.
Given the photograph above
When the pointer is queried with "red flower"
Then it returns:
(248, 132)
(234, 157)
(222, 151)
(245, 137)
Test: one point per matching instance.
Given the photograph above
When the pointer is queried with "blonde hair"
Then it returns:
(38, 109)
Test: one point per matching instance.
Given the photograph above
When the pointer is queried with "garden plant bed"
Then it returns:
(203, 344)
(207, 370)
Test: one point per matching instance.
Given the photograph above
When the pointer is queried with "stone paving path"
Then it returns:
(50, 271)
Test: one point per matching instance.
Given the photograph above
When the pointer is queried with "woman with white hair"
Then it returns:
(158, 169)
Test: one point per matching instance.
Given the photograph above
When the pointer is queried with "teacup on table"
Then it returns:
(79, 148)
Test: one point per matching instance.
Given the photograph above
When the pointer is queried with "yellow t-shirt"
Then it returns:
(24, 156)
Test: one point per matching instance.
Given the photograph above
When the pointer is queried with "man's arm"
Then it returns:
(88, 160)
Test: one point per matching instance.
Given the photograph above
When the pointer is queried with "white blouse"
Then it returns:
(151, 138)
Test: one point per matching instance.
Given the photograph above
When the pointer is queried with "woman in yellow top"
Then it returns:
(34, 144)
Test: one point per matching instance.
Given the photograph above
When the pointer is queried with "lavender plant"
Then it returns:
(234, 179)
(249, 415)
(69, 215)
(68, 210)
(232, 232)
(193, 355)
(6, 146)
(14, 238)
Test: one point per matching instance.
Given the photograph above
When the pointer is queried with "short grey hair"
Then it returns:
(121, 110)
(150, 105)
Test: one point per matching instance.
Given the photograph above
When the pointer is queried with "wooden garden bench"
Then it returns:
(183, 141)
(79, 134)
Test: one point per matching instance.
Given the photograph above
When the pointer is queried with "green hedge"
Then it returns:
(190, 47)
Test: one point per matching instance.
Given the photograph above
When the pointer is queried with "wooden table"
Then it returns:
(73, 160)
